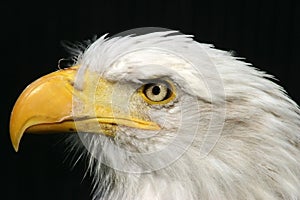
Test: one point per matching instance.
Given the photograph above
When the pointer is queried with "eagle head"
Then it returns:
(162, 116)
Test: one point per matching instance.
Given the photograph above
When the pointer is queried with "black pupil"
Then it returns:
(156, 90)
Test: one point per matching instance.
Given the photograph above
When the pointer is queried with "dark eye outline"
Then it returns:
(164, 86)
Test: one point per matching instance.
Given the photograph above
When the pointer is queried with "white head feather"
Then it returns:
(231, 133)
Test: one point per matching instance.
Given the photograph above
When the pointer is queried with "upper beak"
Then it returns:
(47, 100)
(45, 106)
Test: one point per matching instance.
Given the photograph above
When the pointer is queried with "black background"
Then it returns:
(266, 33)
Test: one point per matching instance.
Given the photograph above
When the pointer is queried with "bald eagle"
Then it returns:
(162, 116)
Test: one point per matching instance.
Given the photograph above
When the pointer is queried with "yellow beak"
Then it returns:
(45, 106)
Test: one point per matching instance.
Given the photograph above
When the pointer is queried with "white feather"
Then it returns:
(231, 133)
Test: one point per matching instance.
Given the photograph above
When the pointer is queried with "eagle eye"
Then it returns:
(158, 92)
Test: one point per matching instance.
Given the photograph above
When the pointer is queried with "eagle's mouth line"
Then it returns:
(114, 120)
(104, 122)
